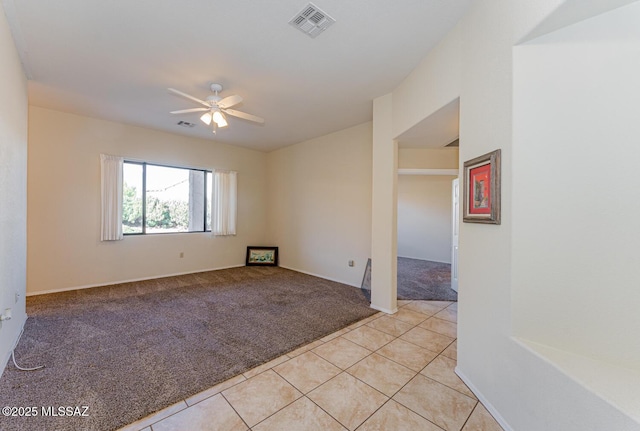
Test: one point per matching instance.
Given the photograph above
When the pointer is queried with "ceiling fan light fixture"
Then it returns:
(206, 118)
(216, 108)
(219, 119)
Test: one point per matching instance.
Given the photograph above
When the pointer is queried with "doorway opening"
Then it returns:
(428, 161)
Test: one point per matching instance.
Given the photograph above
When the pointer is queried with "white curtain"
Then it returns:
(225, 202)
(111, 170)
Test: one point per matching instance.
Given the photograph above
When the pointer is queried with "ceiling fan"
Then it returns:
(215, 108)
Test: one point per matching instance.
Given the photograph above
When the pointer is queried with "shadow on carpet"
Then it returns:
(128, 350)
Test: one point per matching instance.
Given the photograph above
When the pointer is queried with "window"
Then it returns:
(165, 199)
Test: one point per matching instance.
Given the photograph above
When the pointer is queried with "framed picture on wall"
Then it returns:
(262, 256)
(481, 203)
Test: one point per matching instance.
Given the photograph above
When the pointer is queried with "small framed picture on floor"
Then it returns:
(262, 256)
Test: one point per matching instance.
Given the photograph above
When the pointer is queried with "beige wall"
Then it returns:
(384, 209)
(64, 248)
(424, 204)
(428, 158)
(434, 84)
(326, 182)
(431, 86)
(567, 282)
(584, 90)
(424, 217)
(13, 188)
(320, 204)
(528, 385)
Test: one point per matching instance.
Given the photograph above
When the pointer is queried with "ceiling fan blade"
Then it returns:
(230, 101)
(185, 95)
(244, 115)
(186, 111)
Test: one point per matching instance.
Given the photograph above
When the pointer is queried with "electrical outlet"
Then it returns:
(6, 315)
(17, 298)
(352, 263)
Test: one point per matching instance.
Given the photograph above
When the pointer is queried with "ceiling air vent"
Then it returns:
(311, 20)
(185, 124)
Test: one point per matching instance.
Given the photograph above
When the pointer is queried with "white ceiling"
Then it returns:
(115, 59)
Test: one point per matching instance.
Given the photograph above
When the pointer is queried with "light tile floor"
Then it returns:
(386, 372)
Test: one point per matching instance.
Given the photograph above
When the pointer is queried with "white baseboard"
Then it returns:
(426, 260)
(501, 421)
(88, 286)
(320, 276)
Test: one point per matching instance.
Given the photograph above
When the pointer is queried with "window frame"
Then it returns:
(144, 197)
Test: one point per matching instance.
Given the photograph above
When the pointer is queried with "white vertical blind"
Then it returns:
(111, 195)
(225, 202)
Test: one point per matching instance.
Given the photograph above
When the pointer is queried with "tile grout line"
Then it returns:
(219, 392)
(348, 329)
(389, 398)
(396, 362)
(414, 344)
(445, 385)
(234, 409)
(345, 371)
(420, 373)
(245, 379)
(330, 415)
(266, 369)
(374, 412)
(470, 414)
(409, 408)
(166, 417)
(432, 351)
(372, 351)
(304, 395)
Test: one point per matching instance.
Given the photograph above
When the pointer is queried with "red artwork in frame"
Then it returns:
(482, 189)
(480, 198)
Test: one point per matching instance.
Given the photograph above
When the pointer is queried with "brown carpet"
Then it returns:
(426, 280)
(128, 350)
(418, 279)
